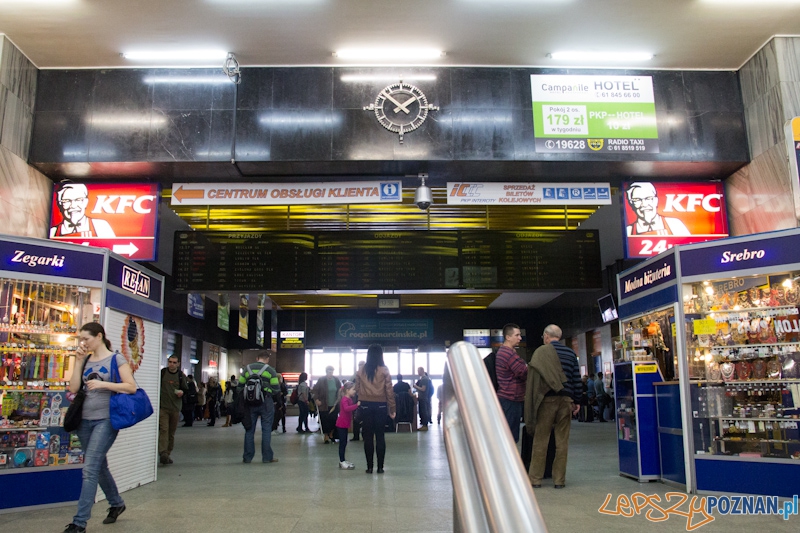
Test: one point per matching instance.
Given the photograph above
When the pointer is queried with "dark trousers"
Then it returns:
(527, 451)
(303, 419)
(342, 432)
(373, 417)
(280, 415)
(188, 414)
(212, 412)
(356, 425)
(424, 411)
(328, 422)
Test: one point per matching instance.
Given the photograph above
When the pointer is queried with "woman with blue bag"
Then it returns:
(93, 372)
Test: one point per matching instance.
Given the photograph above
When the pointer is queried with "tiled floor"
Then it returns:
(208, 489)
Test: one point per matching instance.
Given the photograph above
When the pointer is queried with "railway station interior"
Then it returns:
(212, 179)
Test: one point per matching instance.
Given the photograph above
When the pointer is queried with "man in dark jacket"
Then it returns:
(189, 401)
(173, 387)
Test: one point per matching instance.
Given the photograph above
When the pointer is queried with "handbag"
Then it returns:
(126, 410)
(72, 420)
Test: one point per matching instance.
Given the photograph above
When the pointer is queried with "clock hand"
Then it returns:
(407, 102)
(399, 105)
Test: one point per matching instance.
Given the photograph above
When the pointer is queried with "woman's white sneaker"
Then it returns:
(344, 465)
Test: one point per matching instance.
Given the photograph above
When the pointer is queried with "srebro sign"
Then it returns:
(122, 217)
(657, 216)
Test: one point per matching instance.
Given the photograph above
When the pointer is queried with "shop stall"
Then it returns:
(47, 291)
(737, 344)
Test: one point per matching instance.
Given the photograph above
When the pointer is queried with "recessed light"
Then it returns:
(176, 55)
(594, 57)
(387, 77)
(388, 55)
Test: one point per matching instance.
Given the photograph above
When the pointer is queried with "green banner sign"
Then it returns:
(594, 114)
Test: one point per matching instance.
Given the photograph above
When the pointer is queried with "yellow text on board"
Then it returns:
(646, 369)
(706, 326)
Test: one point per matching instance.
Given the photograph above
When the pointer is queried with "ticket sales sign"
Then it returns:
(594, 114)
(657, 216)
(486, 193)
(122, 217)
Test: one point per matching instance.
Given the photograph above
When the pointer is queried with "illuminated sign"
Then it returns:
(657, 216)
(349, 192)
(293, 339)
(135, 281)
(528, 193)
(478, 337)
(120, 217)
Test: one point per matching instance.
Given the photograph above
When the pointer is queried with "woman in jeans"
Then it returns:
(374, 390)
(93, 364)
(302, 403)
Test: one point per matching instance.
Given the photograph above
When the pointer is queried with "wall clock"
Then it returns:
(401, 108)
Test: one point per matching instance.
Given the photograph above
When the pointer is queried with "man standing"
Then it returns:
(189, 401)
(553, 395)
(511, 375)
(325, 391)
(423, 387)
(601, 395)
(173, 387)
(265, 409)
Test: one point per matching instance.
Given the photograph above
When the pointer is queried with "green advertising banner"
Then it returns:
(594, 114)
(224, 312)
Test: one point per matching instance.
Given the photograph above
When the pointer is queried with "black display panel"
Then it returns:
(391, 260)
(530, 260)
(400, 260)
(243, 261)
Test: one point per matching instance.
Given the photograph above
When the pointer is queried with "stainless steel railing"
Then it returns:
(491, 490)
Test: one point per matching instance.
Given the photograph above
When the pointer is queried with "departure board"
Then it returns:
(530, 260)
(390, 260)
(243, 261)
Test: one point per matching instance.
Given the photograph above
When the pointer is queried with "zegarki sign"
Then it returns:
(657, 216)
(122, 217)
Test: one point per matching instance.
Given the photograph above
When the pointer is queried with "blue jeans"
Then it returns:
(267, 413)
(513, 411)
(96, 438)
(303, 419)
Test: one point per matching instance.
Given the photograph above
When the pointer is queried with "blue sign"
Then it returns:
(390, 192)
(477, 337)
(742, 255)
(50, 261)
(196, 307)
(134, 280)
(384, 330)
(647, 277)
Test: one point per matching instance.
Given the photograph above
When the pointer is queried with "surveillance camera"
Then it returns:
(423, 197)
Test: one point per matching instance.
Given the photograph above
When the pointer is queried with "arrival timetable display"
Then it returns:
(387, 260)
(594, 114)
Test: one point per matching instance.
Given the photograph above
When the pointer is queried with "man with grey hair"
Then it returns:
(73, 198)
(643, 199)
(552, 396)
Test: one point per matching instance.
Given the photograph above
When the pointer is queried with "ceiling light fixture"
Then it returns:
(176, 55)
(601, 57)
(388, 55)
(152, 80)
(387, 77)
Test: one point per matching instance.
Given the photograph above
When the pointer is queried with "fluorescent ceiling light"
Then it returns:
(38, 2)
(387, 77)
(754, 3)
(186, 79)
(388, 55)
(176, 55)
(126, 121)
(601, 56)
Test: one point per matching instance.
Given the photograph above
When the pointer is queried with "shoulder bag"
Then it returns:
(126, 410)
(72, 420)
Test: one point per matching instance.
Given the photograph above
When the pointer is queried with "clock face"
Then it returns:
(401, 107)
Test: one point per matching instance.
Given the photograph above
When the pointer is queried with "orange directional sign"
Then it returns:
(345, 192)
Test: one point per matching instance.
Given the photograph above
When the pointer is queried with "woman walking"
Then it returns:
(302, 403)
(374, 390)
(93, 372)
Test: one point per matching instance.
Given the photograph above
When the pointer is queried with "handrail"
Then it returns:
(491, 490)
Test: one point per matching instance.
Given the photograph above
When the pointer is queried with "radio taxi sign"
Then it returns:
(122, 217)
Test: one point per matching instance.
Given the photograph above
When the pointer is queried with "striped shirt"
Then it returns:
(512, 373)
(569, 363)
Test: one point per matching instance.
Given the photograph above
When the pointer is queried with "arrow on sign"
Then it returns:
(190, 194)
(125, 249)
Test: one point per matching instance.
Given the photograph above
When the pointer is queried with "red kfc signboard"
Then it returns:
(117, 216)
(660, 215)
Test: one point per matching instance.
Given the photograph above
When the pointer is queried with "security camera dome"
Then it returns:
(423, 197)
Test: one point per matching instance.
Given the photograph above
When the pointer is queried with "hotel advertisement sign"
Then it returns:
(657, 216)
(594, 114)
(122, 217)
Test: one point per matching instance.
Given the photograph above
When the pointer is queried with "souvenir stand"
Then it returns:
(740, 301)
(648, 296)
(47, 291)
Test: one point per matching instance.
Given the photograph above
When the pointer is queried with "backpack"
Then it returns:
(430, 389)
(491, 367)
(253, 391)
(293, 399)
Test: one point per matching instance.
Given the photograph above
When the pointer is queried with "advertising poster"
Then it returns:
(244, 305)
(122, 217)
(262, 298)
(196, 305)
(657, 216)
(594, 114)
(224, 312)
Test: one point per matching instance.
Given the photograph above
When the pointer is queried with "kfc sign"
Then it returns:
(120, 217)
(660, 215)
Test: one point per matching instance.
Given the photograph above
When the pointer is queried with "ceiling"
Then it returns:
(682, 34)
